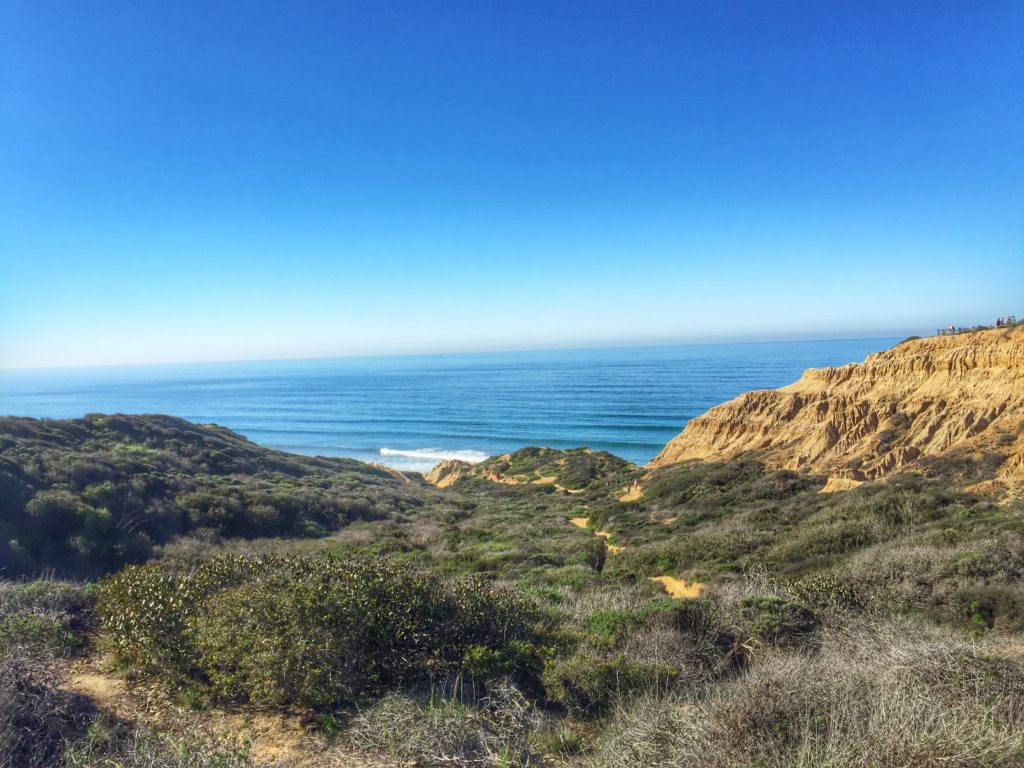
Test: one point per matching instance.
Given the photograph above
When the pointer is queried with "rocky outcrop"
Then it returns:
(862, 421)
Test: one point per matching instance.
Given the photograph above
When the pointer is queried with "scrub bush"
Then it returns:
(315, 631)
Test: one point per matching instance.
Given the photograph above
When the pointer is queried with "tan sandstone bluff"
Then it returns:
(448, 472)
(862, 421)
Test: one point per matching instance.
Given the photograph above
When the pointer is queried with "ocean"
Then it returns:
(410, 412)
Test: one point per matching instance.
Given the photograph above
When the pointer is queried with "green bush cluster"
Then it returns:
(718, 486)
(83, 497)
(316, 631)
(608, 623)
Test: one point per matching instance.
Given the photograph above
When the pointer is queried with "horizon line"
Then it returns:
(557, 347)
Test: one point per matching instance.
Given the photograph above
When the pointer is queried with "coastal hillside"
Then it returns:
(83, 497)
(544, 609)
(941, 396)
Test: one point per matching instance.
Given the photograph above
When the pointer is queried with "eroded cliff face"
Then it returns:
(448, 472)
(865, 420)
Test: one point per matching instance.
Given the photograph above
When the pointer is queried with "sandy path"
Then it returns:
(276, 738)
(613, 549)
(495, 477)
(632, 494)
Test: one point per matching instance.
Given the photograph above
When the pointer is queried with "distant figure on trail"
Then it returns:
(999, 322)
(636, 483)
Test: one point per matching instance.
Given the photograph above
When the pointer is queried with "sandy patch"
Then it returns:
(679, 587)
(631, 493)
(274, 737)
(496, 477)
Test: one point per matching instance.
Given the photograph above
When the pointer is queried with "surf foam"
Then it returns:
(425, 459)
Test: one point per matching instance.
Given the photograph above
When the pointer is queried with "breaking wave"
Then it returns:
(424, 459)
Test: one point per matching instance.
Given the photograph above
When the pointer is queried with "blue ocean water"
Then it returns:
(411, 411)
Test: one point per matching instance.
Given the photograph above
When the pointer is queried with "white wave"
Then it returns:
(436, 454)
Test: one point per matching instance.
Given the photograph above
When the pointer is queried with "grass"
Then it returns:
(894, 694)
(440, 730)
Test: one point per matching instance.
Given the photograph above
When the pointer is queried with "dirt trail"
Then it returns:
(613, 549)
(496, 477)
(631, 493)
(551, 481)
(275, 738)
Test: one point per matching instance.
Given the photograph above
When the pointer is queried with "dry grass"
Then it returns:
(440, 731)
(116, 745)
(901, 694)
(35, 716)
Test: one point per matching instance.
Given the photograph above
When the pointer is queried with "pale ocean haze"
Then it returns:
(410, 412)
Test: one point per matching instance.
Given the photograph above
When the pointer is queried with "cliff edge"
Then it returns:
(862, 421)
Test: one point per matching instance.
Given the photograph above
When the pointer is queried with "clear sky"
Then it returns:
(222, 180)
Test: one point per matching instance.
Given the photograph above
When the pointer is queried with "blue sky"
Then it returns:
(202, 181)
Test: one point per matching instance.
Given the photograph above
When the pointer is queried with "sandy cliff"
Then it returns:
(865, 420)
(448, 472)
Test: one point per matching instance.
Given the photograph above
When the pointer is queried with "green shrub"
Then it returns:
(146, 611)
(84, 497)
(607, 623)
(316, 631)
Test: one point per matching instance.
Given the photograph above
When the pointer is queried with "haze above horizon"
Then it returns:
(199, 182)
(455, 352)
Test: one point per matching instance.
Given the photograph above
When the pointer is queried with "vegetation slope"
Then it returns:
(476, 625)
